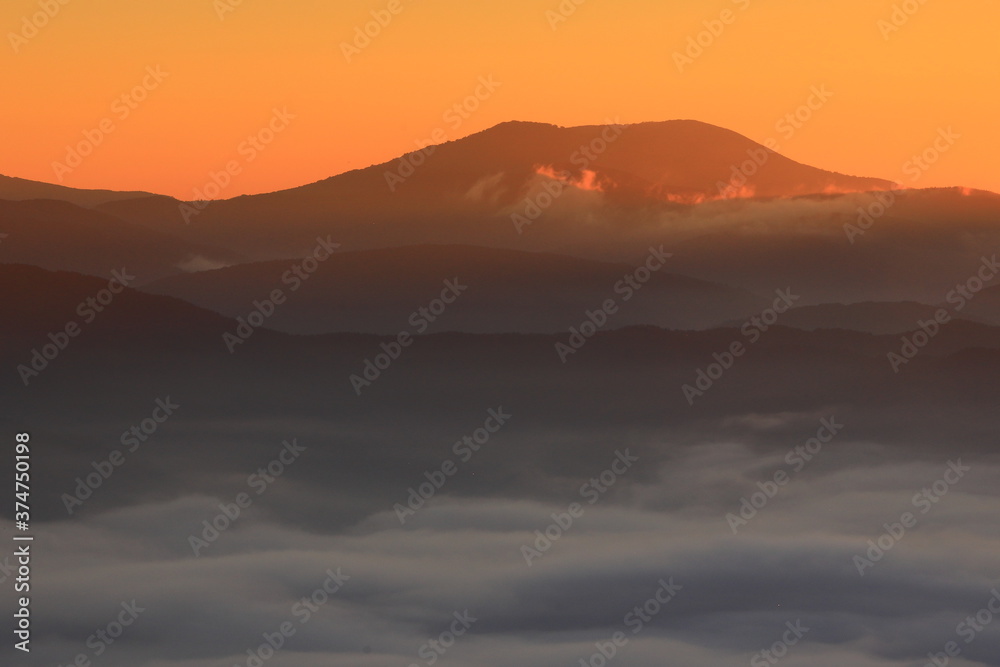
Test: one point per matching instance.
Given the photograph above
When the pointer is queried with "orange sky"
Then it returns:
(607, 59)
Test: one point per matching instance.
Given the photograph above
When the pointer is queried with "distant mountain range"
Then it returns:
(20, 189)
(60, 235)
(375, 291)
(437, 194)
(544, 220)
(626, 381)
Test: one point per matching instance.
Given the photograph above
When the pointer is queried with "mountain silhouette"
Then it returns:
(375, 291)
(59, 235)
(465, 191)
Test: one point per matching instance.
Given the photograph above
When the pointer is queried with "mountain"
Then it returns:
(829, 249)
(464, 191)
(624, 388)
(532, 187)
(37, 302)
(871, 317)
(376, 291)
(59, 235)
(985, 306)
(19, 189)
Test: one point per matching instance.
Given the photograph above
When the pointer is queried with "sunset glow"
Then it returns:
(539, 333)
(228, 66)
(587, 181)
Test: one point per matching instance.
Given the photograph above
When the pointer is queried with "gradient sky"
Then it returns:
(890, 96)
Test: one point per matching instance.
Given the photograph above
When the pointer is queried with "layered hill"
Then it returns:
(459, 191)
(59, 235)
(377, 291)
(19, 189)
